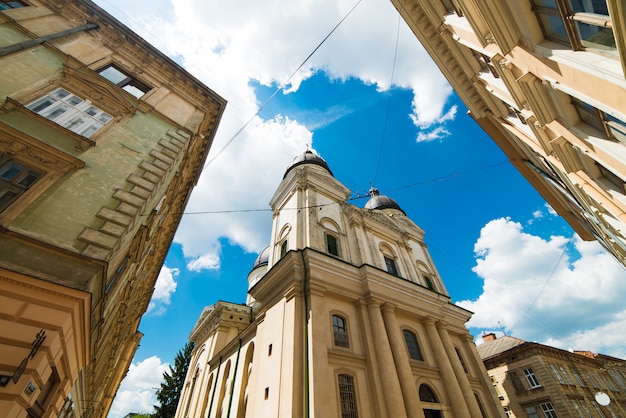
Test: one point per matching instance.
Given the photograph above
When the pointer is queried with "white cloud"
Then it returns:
(227, 46)
(137, 393)
(542, 291)
(163, 289)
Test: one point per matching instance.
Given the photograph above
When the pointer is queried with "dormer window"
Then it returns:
(123, 80)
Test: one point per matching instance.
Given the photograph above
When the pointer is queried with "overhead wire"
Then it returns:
(384, 133)
(281, 87)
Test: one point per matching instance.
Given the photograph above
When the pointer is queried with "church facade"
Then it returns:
(346, 316)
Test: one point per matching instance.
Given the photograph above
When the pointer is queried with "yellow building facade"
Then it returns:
(102, 139)
(346, 316)
(545, 79)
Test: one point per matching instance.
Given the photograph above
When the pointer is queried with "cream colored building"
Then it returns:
(102, 139)
(346, 317)
(545, 79)
(536, 380)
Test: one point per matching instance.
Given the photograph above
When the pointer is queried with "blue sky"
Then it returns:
(500, 250)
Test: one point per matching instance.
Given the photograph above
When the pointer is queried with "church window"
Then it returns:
(480, 405)
(331, 245)
(123, 80)
(429, 283)
(458, 353)
(267, 393)
(412, 345)
(427, 394)
(15, 180)
(340, 331)
(347, 396)
(533, 382)
(390, 263)
(71, 112)
(13, 4)
(283, 248)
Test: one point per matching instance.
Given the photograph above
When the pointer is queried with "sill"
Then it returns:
(14, 114)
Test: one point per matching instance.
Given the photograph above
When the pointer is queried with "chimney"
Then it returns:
(489, 337)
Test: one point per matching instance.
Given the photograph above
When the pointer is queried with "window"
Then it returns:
(610, 127)
(15, 179)
(427, 395)
(548, 410)
(579, 379)
(578, 23)
(412, 345)
(566, 375)
(6, 5)
(331, 245)
(533, 382)
(71, 112)
(283, 248)
(123, 80)
(585, 408)
(340, 332)
(429, 283)
(531, 412)
(557, 374)
(391, 265)
(347, 396)
(458, 353)
(480, 406)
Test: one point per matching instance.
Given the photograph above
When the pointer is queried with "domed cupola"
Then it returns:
(308, 157)
(381, 202)
(262, 259)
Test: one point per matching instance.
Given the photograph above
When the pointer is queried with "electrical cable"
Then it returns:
(393, 71)
(280, 88)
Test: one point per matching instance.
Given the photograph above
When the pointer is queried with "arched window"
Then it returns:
(480, 406)
(332, 246)
(340, 331)
(427, 394)
(389, 258)
(243, 393)
(205, 402)
(412, 345)
(347, 396)
(223, 386)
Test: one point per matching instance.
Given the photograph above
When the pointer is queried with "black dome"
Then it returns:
(381, 202)
(262, 259)
(308, 157)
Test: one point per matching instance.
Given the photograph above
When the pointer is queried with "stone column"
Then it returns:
(461, 376)
(403, 364)
(457, 403)
(386, 367)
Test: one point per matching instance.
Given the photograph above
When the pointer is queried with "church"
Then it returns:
(346, 316)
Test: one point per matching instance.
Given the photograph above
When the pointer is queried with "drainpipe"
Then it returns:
(6, 50)
(232, 384)
(306, 339)
(217, 375)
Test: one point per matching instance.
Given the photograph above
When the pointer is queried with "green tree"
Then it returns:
(168, 394)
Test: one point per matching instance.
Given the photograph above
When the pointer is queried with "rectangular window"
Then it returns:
(340, 332)
(577, 377)
(566, 375)
(412, 345)
(609, 126)
(578, 23)
(15, 180)
(283, 248)
(347, 396)
(548, 410)
(71, 112)
(14, 4)
(533, 382)
(391, 265)
(557, 374)
(123, 80)
(331, 245)
(531, 412)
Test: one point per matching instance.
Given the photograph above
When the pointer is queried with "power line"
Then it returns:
(281, 87)
(393, 71)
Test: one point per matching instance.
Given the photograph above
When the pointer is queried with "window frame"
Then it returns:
(341, 337)
(569, 18)
(531, 378)
(10, 6)
(330, 246)
(548, 410)
(413, 346)
(127, 81)
(16, 184)
(391, 265)
(347, 395)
